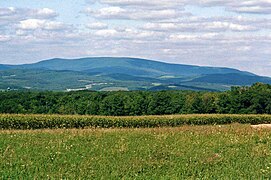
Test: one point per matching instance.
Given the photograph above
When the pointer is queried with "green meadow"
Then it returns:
(188, 152)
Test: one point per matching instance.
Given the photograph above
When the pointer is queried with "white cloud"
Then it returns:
(129, 34)
(44, 13)
(251, 6)
(4, 38)
(244, 48)
(223, 26)
(17, 14)
(97, 25)
(33, 24)
(54, 25)
(106, 32)
(153, 4)
(134, 14)
(244, 6)
(252, 9)
(107, 12)
(201, 25)
(180, 38)
(6, 11)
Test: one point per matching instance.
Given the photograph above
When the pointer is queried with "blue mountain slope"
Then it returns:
(4, 67)
(130, 66)
(131, 73)
(232, 79)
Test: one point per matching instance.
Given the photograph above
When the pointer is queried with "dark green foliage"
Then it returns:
(239, 100)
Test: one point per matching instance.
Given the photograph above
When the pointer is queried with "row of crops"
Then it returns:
(18, 121)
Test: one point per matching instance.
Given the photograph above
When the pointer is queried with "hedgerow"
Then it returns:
(18, 121)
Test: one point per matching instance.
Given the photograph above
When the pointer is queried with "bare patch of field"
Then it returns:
(259, 126)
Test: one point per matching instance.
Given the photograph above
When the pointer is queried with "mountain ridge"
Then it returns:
(88, 63)
(98, 73)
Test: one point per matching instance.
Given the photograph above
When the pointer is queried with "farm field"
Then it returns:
(39, 121)
(188, 152)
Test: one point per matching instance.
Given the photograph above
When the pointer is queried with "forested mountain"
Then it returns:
(3, 67)
(108, 73)
(131, 66)
(234, 79)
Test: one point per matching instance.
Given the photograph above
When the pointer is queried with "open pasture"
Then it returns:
(212, 152)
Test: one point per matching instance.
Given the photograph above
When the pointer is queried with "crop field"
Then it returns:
(212, 152)
(20, 121)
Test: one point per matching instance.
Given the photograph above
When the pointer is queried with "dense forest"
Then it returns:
(239, 100)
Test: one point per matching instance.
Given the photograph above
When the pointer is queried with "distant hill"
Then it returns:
(124, 73)
(4, 67)
(131, 66)
(234, 79)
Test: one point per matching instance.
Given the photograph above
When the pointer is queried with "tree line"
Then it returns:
(239, 100)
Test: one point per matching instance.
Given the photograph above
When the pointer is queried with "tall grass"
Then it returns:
(188, 152)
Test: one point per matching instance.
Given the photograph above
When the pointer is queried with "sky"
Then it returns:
(223, 33)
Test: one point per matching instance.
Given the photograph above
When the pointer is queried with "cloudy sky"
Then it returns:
(231, 33)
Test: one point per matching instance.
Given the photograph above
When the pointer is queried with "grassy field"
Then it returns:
(226, 152)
